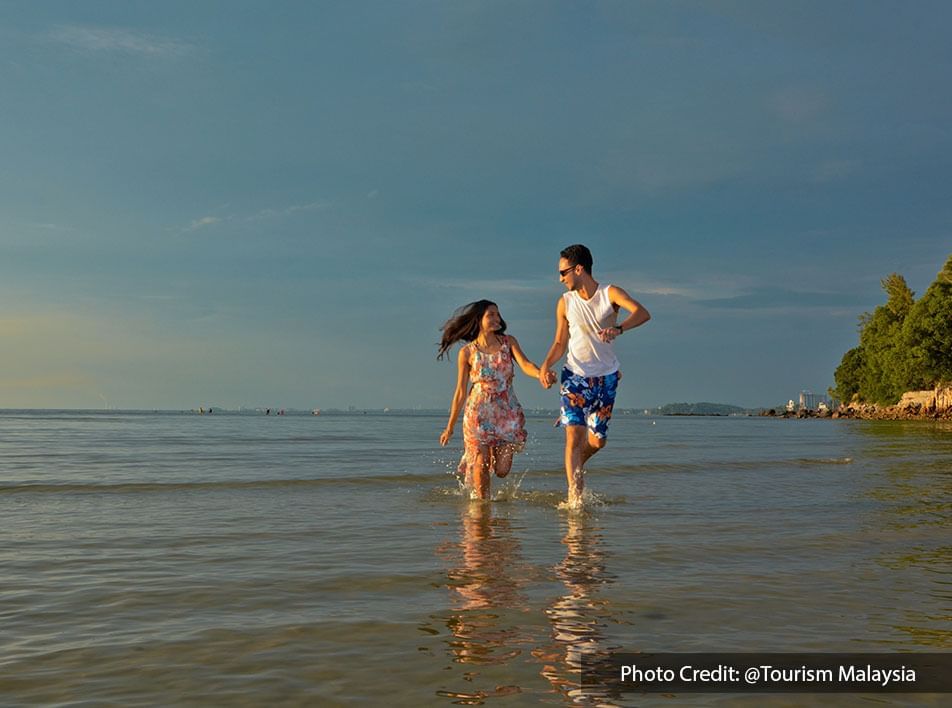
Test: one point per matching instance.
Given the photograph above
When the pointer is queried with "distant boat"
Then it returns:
(316, 411)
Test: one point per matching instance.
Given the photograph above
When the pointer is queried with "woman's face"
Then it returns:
(491, 321)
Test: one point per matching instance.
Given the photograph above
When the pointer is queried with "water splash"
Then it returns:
(589, 501)
(508, 490)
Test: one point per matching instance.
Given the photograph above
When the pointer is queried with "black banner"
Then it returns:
(768, 673)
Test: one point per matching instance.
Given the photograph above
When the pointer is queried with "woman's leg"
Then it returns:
(481, 472)
(502, 458)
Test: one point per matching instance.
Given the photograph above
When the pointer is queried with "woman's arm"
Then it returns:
(462, 384)
(527, 366)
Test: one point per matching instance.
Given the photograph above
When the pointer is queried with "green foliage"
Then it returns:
(904, 344)
(927, 333)
(900, 297)
(848, 375)
(882, 377)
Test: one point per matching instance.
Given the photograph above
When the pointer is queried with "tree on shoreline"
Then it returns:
(927, 332)
(904, 344)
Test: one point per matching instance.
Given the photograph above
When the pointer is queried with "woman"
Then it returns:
(493, 421)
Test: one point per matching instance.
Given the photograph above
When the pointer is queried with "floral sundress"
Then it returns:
(492, 415)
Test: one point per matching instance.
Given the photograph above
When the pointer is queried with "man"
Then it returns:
(585, 325)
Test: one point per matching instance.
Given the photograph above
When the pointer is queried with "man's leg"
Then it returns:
(581, 441)
(595, 444)
(580, 445)
(582, 401)
(597, 416)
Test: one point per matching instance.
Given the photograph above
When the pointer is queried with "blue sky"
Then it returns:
(250, 203)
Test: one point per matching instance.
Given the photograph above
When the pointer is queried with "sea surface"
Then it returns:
(184, 559)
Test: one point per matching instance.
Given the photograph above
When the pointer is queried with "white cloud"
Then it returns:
(259, 216)
(636, 285)
(639, 285)
(117, 39)
(799, 105)
(156, 298)
(287, 211)
(47, 226)
(486, 285)
(202, 223)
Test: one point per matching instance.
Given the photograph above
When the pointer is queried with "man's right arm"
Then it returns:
(559, 345)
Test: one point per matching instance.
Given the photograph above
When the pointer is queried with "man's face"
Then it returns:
(568, 273)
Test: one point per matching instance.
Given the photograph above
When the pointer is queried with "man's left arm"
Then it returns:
(637, 314)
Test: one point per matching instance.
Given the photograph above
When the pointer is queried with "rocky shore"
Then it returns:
(934, 404)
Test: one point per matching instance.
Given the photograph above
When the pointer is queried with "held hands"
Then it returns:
(445, 436)
(546, 378)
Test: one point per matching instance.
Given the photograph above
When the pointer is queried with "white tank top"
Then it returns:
(588, 355)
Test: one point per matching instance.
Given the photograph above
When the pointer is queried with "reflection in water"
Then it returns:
(578, 617)
(486, 585)
(908, 481)
(907, 488)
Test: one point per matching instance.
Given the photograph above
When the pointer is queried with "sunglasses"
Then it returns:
(563, 272)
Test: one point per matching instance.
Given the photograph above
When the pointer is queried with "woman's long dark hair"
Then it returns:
(464, 324)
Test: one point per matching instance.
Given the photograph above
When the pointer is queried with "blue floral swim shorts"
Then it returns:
(588, 401)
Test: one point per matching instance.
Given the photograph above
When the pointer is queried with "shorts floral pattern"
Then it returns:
(493, 415)
(588, 401)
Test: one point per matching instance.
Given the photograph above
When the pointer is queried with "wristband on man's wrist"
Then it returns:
(620, 330)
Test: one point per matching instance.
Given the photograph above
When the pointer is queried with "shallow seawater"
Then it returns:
(299, 560)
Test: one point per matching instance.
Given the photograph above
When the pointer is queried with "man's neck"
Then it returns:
(587, 289)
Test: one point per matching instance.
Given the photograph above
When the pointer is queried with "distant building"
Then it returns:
(810, 401)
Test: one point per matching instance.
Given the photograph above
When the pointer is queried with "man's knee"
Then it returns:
(596, 442)
(575, 436)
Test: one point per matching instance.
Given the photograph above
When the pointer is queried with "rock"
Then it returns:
(943, 398)
(917, 401)
(914, 405)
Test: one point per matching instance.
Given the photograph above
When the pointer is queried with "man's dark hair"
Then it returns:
(577, 254)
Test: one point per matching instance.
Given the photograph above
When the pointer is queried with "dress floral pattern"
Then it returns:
(492, 415)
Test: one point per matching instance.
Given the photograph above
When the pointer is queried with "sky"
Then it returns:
(278, 204)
